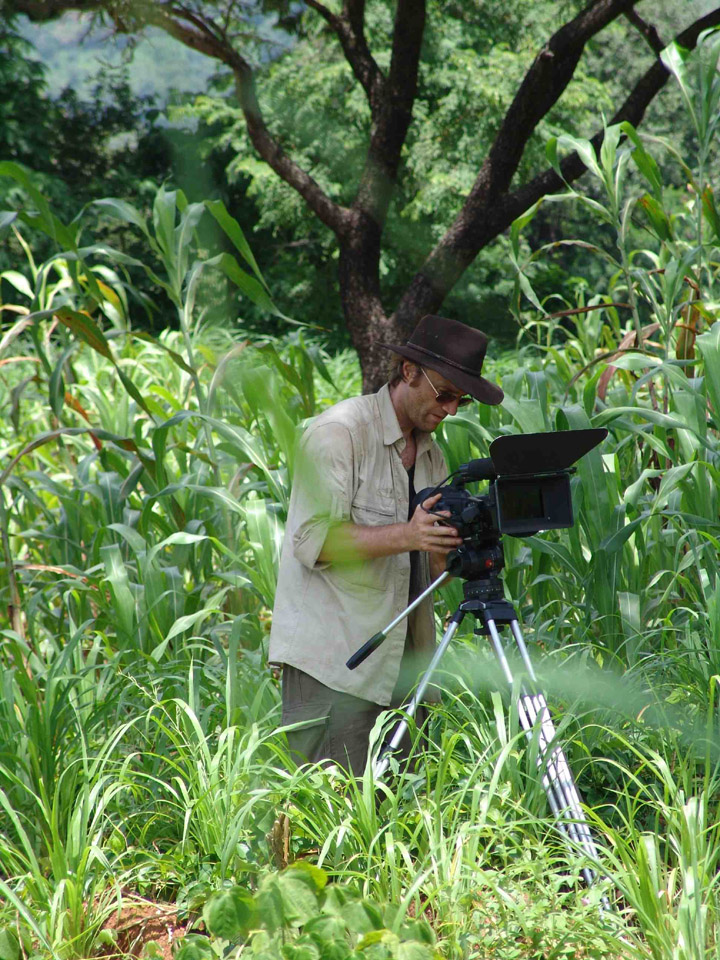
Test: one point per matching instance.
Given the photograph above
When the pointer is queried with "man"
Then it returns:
(354, 557)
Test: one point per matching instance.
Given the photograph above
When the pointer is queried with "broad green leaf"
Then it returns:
(412, 950)
(635, 361)
(185, 234)
(302, 949)
(234, 231)
(309, 873)
(18, 280)
(299, 894)
(584, 150)
(657, 217)
(674, 57)
(709, 346)
(617, 540)
(608, 151)
(181, 537)
(248, 285)
(185, 623)
(133, 391)
(645, 163)
(194, 947)
(123, 600)
(230, 914)
(86, 329)
(551, 152)
(519, 224)
(606, 417)
(130, 535)
(270, 905)
(329, 932)
(165, 208)
(362, 917)
(123, 211)
(9, 945)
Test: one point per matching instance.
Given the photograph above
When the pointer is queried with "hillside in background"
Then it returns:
(74, 56)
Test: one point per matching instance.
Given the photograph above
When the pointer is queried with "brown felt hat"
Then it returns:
(454, 350)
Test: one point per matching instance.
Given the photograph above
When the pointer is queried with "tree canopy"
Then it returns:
(409, 96)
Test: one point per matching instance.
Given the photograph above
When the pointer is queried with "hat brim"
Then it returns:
(478, 387)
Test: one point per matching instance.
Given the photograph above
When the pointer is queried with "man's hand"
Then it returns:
(426, 533)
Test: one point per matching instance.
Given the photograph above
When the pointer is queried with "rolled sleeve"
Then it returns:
(322, 489)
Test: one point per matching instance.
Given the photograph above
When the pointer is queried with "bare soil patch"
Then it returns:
(141, 923)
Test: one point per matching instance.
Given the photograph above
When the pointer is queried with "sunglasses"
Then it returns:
(444, 396)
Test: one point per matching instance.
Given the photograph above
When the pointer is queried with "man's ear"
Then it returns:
(410, 371)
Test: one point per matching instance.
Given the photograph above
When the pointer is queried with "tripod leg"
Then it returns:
(558, 782)
(527, 717)
(382, 761)
(563, 769)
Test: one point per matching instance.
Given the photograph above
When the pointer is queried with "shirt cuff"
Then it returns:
(308, 541)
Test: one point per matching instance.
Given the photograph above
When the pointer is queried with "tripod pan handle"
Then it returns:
(365, 650)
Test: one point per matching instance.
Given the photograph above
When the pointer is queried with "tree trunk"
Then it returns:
(366, 320)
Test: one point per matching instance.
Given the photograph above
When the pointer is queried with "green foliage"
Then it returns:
(331, 921)
(143, 494)
(471, 67)
(294, 915)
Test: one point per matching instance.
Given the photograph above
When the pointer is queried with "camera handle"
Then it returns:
(374, 642)
(533, 712)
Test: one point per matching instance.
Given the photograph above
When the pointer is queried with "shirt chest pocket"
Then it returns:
(372, 511)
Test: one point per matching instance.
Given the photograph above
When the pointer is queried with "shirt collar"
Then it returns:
(391, 428)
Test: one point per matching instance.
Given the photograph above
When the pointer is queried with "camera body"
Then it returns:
(529, 488)
(516, 506)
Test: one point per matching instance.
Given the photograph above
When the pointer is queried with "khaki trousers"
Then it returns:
(341, 724)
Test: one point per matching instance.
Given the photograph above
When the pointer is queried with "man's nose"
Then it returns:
(450, 407)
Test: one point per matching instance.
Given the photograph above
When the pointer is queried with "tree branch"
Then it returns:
(201, 34)
(392, 114)
(489, 209)
(647, 30)
(350, 31)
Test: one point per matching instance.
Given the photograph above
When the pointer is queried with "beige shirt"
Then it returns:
(349, 470)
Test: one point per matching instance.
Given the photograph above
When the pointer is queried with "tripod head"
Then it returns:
(529, 491)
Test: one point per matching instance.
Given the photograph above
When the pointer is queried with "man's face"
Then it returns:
(430, 398)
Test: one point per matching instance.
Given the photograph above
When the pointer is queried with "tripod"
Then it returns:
(484, 599)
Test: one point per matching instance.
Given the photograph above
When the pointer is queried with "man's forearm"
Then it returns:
(425, 530)
(351, 542)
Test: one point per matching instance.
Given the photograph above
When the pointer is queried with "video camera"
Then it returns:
(529, 490)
